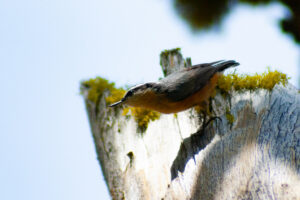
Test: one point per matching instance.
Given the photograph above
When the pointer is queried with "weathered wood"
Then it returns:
(256, 157)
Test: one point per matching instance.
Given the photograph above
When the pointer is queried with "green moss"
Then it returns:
(170, 51)
(165, 59)
(243, 82)
(188, 62)
(97, 86)
(229, 116)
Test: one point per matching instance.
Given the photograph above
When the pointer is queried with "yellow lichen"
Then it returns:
(125, 111)
(96, 88)
(270, 79)
(245, 82)
(242, 82)
(143, 117)
(115, 95)
(225, 83)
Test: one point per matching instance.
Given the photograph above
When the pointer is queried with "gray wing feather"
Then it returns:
(179, 85)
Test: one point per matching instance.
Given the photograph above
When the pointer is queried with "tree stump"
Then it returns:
(255, 156)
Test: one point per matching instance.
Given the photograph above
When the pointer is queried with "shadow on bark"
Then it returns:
(221, 155)
(189, 148)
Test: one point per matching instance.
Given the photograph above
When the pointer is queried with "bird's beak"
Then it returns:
(115, 104)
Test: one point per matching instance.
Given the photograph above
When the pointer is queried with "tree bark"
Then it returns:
(255, 157)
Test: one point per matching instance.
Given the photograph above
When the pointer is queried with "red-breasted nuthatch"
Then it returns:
(178, 91)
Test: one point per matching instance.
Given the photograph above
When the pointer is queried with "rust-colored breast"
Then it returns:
(162, 104)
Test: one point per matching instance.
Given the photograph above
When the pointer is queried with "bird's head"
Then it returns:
(137, 95)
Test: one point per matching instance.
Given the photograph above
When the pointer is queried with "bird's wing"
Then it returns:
(180, 85)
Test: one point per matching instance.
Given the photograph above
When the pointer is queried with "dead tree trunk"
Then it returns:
(257, 156)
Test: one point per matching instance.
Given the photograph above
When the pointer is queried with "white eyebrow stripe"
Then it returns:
(217, 63)
(136, 86)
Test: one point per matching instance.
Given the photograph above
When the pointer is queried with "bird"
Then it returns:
(178, 91)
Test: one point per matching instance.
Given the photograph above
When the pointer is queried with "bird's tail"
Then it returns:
(221, 66)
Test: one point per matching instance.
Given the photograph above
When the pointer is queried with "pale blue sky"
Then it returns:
(48, 46)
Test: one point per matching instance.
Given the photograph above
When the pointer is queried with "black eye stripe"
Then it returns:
(139, 88)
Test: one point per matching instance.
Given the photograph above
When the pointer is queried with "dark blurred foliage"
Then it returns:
(256, 2)
(205, 14)
(291, 24)
(201, 14)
